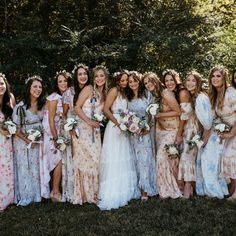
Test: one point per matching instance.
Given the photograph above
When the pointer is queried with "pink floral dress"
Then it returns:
(228, 116)
(51, 157)
(167, 168)
(6, 170)
(87, 151)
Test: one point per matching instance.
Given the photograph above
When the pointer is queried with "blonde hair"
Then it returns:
(217, 98)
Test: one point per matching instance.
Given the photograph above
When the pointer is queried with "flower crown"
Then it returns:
(62, 72)
(33, 77)
(118, 73)
(102, 67)
(136, 73)
(2, 76)
(80, 65)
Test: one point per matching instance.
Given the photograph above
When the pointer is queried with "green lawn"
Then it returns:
(156, 217)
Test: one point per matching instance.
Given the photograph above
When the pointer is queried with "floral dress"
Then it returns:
(208, 180)
(26, 159)
(228, 116)
(187, 165)
(67, 159)
(166, 167)
(6, 170)
(51, 157)
(86, 155)
(143, 152)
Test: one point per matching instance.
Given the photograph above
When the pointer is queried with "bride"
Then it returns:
(118, 179)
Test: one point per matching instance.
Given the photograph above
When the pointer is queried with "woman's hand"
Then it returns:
(178, 140)
(94, 124)
(226, 135)
(5, 133)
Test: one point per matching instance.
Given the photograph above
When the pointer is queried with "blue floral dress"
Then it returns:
(26, 160)
(208, 180)
(143, 152)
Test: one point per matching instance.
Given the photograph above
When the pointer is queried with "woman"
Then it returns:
(154, 87)
(209, 182)
(28, 116)
(6, 156)
(87, 147)
(69, 98)
(117, 171)
(166, 131)
(193, 112)
(141, 146)
(52, 122)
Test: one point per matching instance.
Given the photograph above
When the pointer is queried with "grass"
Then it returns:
(198, 216)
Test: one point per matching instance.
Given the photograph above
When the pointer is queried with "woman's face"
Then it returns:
(62, 83)
(133, 84)
(217, 79)
(123, 81)
(3, 86)
(99, 78)
(149, 85)
(170, 83)
(235, 77)
(36, 89)
(82, 76)
(191, 84)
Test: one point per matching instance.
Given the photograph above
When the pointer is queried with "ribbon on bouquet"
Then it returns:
(93, 100)
(30, 144)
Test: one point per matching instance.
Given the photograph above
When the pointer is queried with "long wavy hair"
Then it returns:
(77, 88)
(106, 72)
(233, 83)
(66, 75)
(175, 75)
(198, 78)
(27, 98)
(117, 77)
(6, 101)
(217, 98)
(138, 78)
(159, 86)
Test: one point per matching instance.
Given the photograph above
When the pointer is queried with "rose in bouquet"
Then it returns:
(172, 150)
(153, 109)
(101, 118)
(10, 126)
(196, 141)
(70, 124)
(221, 127)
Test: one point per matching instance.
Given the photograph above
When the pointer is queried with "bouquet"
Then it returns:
(33, 135)
(61, 143)
(9, 126)
(195, 142)
(172, 150)
(153, 109)
(99, 118)
(130, 122)
(70, 124)
(221, 127)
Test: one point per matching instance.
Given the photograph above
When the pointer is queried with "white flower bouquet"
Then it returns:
(221, 127)
(153, 109)
(196, 141)
(172, 150)
(70, 124)
(10, 126)
(61, 143)
(33, 134)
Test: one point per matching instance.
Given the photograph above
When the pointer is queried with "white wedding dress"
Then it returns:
(118, 180)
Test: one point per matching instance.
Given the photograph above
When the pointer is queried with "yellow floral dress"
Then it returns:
(87, 151)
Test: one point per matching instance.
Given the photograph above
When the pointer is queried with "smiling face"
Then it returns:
(191, 84)
(62, 83)
(170, 82)
(234, 77)
(133, 83)
(36, 89)
(82, 76)
(99, 78)
(123, 81)
(217, 79)
(3, 86)
(148, 83)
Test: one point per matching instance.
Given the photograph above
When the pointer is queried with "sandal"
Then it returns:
(144, 198)
(55, 197)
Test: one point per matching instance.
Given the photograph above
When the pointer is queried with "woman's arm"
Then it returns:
(52, 109)
(108, 103)
(83, 96)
